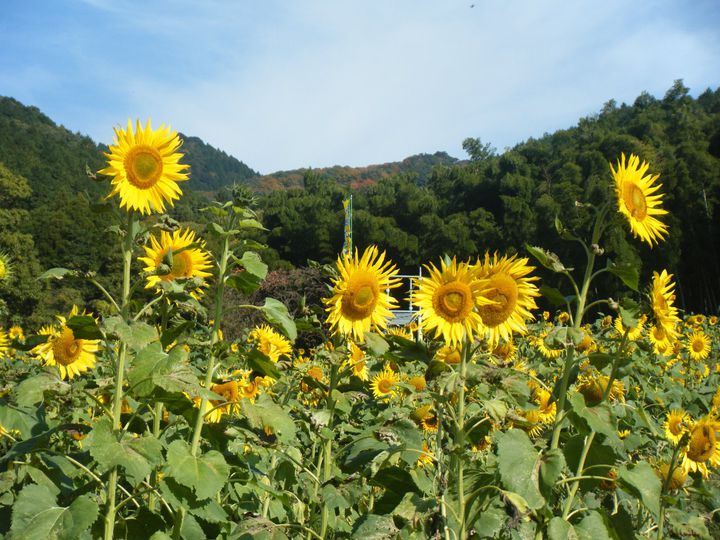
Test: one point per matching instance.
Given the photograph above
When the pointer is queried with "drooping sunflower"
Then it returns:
(426, 418)
(360, 301)
(270, 343)
(426, 457)
(71, 355)
(544, 347)
(702, 448)
(676, 424)
(679, 475)
(400, 331)
(505, 352)
(512, 293)
(594, 385)
(662, 297)
(6, 267)
(637, 199)
(698, 345)
(384, 384)
(173, 256)
(447, 298)
(145, 167)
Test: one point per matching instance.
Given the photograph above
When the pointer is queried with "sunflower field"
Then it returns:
(483, 417)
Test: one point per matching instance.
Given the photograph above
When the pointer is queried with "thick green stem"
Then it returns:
(560, 411)
(663, 491)
(119, 376)
(327, 450)
(152, 500)
(199, 420)
(459, 437)
(580, 467)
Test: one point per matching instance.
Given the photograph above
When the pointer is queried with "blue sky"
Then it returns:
(287, 84)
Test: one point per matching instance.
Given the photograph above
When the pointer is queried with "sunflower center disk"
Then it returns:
(143, 166)
(66, 348)
(359, 300)
(503, 290)
(635, 201)
(181, 265)
(453, 301)
(702, 444)
(385, 386)
(698, 346)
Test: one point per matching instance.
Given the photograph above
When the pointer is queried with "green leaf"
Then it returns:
(137, 456)
(548, 259)
(36, 516)
(395, 479)
(553, 295)
(598, 418)
(56, 273)
(260, 363)
(254, 265)
(137, 335)
(376, 344)
(559, 529)
(153, 368)
(31, 391)
(435, 368)
(594, 526)
(627, 272)
(266, 413)
(641, 481)
(519, 467)
(276, 312)
(551, 467)
(374, 527)
(205, 474)
(84, 327)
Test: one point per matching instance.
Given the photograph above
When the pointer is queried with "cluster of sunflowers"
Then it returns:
(474, 420)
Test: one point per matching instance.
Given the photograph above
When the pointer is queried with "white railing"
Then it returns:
(403, 317)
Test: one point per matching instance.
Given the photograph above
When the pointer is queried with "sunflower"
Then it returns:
(270, 343)
(383, 384)
(449, 354)
(662, 297)
(679, 475)
(360, 300)
(426, 457)
(541, 416)
(72, 356)
(356, 362)
(228, 405)
(594, 385)
(702, 447)
(16, 333)
(4, 344)
(6, 267)
(676, 424)
(659, 339)
(699, 345)
(505, 352)
(426, 418)
(636, 200)
(400, 331)
(418, 382)
(145, 167)
(447, 298)
(713, 320)
(635, 332)
(175, 256)
(513, 294)
(542, 345)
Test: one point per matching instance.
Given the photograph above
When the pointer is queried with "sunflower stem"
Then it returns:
(327, 450)
(663, 491)
(157, 418)
(127, 249)
(459, 442)
(559, 417)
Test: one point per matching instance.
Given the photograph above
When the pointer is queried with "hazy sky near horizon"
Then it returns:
(288, 84)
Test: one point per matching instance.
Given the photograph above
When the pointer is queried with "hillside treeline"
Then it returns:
(52, 214)
(502, 201)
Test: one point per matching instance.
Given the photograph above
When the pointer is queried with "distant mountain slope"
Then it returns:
(53, 158)
(357, 177)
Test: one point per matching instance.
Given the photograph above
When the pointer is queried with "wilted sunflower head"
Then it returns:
(679, 475)
(447, 297)
(512, 294)
(702, 447)
(360, 301)
(145, 167)
(637, 200)
(449, 355)
(676, 424)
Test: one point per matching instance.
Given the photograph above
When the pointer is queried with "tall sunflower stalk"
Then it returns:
(127, 249)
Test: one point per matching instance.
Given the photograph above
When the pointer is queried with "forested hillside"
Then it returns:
(501, 201)
(417, 209)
